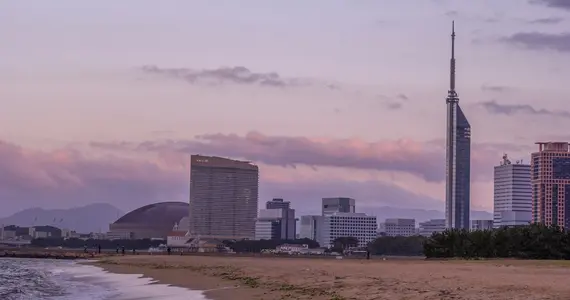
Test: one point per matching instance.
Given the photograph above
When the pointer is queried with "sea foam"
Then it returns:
(122, 286)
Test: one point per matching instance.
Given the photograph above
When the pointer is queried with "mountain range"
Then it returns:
(90, 218)
(97, 217)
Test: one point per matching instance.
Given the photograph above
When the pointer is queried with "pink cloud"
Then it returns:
(66, 177)
(422, 159)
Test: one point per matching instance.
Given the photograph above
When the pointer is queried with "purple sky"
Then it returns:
(104, 102)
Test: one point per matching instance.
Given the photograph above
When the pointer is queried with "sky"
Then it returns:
(105, 102)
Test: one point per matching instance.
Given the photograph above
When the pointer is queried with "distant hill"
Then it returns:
(85, 219)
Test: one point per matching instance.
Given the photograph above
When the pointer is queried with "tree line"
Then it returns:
(535, 241)
(75, 243)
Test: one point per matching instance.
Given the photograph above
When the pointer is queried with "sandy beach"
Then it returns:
(271, 278)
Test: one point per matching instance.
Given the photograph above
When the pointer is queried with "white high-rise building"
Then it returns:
(427, 228)
(357, 225)
(512, 194)
(399, 227)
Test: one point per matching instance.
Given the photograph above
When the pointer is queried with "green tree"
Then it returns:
(526, 242)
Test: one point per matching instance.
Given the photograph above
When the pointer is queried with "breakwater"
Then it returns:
(45, 254)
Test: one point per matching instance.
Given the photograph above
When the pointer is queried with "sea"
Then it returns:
(31, 279)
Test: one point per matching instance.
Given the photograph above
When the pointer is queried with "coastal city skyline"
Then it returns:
(364, 122)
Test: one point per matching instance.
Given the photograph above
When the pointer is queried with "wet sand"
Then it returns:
(272, 278)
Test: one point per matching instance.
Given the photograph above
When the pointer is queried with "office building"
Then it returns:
(458, 156)
(339, 204)
(398, 227)
(223, 197)
(277, 203)
(357, 225)
(512, 200)
(311, 227)
(482, 224)
(550, 179)
(289, 222)
(430, 227)
(275, 224)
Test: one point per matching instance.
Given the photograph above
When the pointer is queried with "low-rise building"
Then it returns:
(357, 225)
(178, 239)
(399, 227)
(292, 248)
(7, 234)
(432, 226)
(481, 224)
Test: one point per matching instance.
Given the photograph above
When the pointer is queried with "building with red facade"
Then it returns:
(550, 177)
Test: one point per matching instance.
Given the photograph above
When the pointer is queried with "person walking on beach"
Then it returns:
(134, 251)
(117, 251)
(168, 250)
(123, 250)
(99, 249)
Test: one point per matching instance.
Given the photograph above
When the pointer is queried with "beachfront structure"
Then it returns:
(223, 197)
(311, 227)
(432, 226)
(482, 224)
(512, 195)
(275, 224)
(398, 227)
(458, 156)
(338, 204)
(550, 179)
(357, 225)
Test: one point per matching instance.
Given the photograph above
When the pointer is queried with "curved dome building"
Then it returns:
(150, 221)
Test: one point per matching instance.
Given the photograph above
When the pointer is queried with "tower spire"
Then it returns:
(452, 62)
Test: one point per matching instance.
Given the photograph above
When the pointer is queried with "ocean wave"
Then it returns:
(67, 280)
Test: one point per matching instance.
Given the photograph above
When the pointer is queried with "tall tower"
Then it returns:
(458, 155)
(550, 178)
(223, 197)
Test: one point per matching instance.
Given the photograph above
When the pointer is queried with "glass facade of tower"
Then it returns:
(458, 168)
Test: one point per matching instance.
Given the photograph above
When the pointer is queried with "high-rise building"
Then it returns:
(339, 204)
(430, 227)
(512, 200)
(458, 156)
(289, 222)
(399, 227)
(223, 197)
(357, 225)
(311, 227)
(276, 224)
(550, 178)
(277, 203)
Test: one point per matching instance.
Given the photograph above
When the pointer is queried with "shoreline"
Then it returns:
(271, 278)
(212, 288)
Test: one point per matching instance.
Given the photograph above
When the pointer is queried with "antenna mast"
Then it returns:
(452, 94)
(452, 65)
